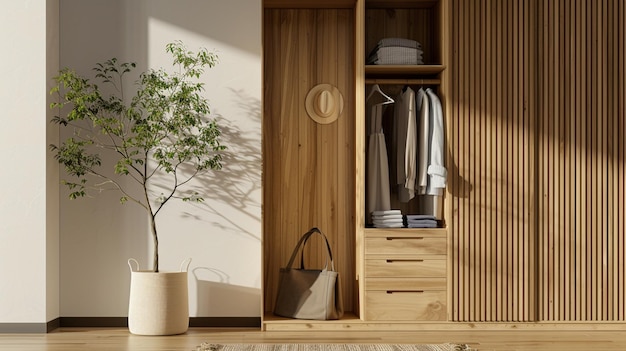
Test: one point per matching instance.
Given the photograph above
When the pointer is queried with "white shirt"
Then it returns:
(437, 173)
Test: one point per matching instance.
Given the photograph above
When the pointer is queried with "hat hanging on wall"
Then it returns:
(324, 103)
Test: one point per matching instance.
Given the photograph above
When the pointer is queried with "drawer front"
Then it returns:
(392, 285)
(405, 267)
(405, 245)
(405, 306)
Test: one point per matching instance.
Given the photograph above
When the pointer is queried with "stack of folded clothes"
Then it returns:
(387, 219)
(396, 51)
(421, 221)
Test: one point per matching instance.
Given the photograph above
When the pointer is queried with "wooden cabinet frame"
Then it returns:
(527, 51)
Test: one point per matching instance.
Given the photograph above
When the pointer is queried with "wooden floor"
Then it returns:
(69, 339)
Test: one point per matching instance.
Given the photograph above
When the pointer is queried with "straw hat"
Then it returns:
(324, 103)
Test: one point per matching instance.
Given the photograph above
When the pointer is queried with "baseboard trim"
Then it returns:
(94, 322)
(194, 322)
(122, 322)
(28, 328)
(226, 322)
(23, 328)
(53, 324)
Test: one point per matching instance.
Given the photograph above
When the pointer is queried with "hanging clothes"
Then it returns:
(423, 106)
(437, 172)
(377, 177)
(405, 144)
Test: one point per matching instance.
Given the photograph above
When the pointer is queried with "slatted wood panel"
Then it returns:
(581, 175)
(308, 168)
(536, 132)
(492, 166)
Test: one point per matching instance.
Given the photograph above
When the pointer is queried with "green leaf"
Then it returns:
(163, 129)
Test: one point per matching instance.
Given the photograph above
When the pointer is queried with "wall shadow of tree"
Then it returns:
(237, 188)
(238, 184)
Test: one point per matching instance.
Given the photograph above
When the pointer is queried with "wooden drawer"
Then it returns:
(391, 285)
(405, 306)
(406, 267)
(414, 244)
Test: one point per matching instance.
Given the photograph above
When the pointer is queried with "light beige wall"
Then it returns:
(52, 167)
(221, 235)
(28, 240)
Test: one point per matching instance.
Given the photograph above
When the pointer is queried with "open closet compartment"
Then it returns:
(404, 58)
(309, 170)
(405, 157)
(415, 20)
(402, 272)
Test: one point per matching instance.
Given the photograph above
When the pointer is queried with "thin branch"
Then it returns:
(155, 125)
(119, 188)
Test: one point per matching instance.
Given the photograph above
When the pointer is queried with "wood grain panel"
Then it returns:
(308, 4)
(405, 305)
(406, 266)
(308, 167)
(271, 146)
(493, 132)
(359, 164)
(407, 244)
(537, 136)
(581, 176)
(405, 284)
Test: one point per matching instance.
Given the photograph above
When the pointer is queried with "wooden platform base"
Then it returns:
(352, 322)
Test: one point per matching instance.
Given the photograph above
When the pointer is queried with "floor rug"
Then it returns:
(332, 347)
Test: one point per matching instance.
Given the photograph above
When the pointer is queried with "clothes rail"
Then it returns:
(395, 81)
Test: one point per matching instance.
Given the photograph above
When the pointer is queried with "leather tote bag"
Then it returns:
(309, 293)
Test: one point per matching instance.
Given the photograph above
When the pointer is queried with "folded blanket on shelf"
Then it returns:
(396, 55)
(396, 51)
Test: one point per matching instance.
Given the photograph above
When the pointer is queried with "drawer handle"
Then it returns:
(404, 238)
(404, 291)
(407, 260)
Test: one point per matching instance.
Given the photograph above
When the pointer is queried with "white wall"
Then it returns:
(28, 182)
(52, 166)
(222, 235)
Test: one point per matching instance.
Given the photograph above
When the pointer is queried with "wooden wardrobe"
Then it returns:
(533, 94)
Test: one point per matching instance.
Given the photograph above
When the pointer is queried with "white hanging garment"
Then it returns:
(437, 172)
(377, 177)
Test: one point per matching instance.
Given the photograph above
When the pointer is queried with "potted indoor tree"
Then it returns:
(161, 131)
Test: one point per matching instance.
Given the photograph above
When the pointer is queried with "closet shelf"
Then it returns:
(400, 81)
(407, 231)
(308, 4)
(382, 4)
(395, 70)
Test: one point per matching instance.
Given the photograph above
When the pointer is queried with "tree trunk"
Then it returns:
(155, 238)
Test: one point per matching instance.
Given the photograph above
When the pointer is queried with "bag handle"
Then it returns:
(329, 251)
(301, 245)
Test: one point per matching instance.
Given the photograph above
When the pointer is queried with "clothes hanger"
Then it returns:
(376, 88)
